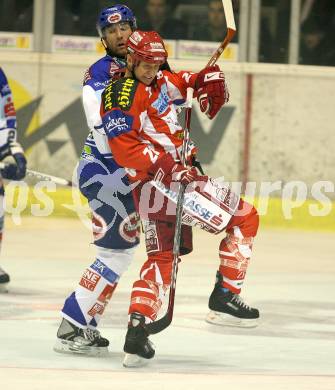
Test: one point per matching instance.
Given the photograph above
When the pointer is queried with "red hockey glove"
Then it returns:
(184, 175)
(166, 170)
(212, 91)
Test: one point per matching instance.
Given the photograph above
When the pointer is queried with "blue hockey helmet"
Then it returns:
(116, 14)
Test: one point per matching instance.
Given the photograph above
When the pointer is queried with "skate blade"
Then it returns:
(223, 319)
(68, 347)
(132, 360)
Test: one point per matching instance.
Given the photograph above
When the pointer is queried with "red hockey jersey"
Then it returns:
(141, 121)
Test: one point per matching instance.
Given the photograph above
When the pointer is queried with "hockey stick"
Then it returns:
(231, 30)
(44, 176)
(165, 321)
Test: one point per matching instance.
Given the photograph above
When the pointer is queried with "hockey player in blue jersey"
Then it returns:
(115, 222)
(8, 147)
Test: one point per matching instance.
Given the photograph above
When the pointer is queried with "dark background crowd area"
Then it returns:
(201, 20)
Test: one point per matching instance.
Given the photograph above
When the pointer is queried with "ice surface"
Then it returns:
(291, 280)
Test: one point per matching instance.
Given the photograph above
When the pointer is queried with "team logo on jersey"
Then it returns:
(161, 104)
(113, 67)
(114, 18)
(130, 228)
(99, 226)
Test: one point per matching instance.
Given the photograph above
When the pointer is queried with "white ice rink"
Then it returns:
(291, 280)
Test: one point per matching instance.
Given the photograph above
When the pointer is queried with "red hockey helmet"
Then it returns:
(147, 46)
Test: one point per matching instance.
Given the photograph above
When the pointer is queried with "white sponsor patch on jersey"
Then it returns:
(200, 210)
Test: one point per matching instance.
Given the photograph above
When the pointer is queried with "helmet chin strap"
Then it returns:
(104, 43)
(108, 51)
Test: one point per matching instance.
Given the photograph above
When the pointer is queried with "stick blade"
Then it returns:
(159, 325)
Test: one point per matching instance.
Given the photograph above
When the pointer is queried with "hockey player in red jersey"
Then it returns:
(139, 117)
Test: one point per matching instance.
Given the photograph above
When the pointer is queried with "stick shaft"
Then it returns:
(165, 321)
(55, 179)
(44, 176)
(231, 30)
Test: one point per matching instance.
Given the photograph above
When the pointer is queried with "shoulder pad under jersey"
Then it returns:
(119, 93)
(98, 75)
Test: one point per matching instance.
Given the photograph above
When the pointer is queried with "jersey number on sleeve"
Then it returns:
(153, 155)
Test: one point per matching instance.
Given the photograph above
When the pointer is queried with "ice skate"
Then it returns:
(138, 348)
(228, 309)
(71, 339)
(4, 280)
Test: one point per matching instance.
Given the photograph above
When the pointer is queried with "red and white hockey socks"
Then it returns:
(235, 249)
(148, 293)
(235, 255)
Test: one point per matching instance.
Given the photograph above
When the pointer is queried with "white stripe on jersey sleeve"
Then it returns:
(173, 91)
(91, 103)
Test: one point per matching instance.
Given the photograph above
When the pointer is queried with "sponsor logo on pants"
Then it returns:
(96, 309)
(89, 280)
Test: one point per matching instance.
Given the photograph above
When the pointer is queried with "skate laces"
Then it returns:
(236, 298)
(92, 334)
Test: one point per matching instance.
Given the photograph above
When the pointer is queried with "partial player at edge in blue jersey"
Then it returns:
(115, 222)
(8, 147)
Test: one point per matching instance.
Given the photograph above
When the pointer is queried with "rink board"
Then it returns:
(278, 102)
